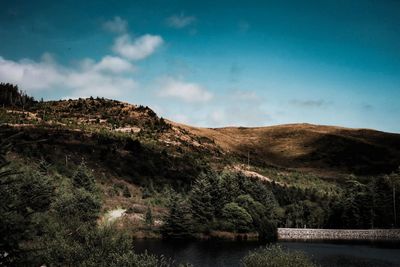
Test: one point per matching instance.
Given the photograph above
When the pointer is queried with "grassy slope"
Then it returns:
(323, 150)
(157, 155)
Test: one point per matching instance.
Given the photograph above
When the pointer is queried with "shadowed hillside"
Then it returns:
(324, 150)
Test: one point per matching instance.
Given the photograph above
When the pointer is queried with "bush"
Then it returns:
(98, 247)
(275, 256)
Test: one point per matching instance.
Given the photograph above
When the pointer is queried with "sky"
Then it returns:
(213, 63)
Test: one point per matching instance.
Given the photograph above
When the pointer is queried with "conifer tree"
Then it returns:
(201, 204)
(178, 222)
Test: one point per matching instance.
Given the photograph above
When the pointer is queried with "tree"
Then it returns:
(83, 178)
(254, 208)
(263, 221)
(149, 220)
(201, 204)
(24, 196)
(10, 95)
(178, 222)
(236, 218)
(78, 207)
(294, 215)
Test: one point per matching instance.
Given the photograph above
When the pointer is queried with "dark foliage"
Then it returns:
(10, 95)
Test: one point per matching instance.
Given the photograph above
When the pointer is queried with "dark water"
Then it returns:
(228, 253)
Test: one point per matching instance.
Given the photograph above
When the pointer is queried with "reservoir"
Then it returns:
(229, 253)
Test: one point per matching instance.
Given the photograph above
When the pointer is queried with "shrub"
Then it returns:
(275, 256)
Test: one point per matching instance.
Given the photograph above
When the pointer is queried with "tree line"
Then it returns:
(235, 203)
(10, 95)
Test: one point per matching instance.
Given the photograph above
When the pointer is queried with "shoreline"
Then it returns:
(293, 234)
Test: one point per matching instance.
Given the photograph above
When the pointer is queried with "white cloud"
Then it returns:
(108, 77)
(180, 21)
(30, 75)
(90, 79)
(139, 48)
(114, 64)
(117, 25)
(185, 91)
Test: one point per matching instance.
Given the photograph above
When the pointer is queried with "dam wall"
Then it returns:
(338, 234)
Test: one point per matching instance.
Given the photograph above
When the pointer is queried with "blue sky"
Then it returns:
(213, 63)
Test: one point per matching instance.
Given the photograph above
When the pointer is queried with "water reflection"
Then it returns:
(226, 253)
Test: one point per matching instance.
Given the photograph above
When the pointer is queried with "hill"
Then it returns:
(95, 128)
(324, 150)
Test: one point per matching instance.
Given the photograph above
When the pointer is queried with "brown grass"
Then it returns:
(323, 150)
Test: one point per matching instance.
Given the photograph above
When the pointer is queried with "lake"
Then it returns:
(229, 253)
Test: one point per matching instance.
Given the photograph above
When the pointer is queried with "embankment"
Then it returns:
(338, 234)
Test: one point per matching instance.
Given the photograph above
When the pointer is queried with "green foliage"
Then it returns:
(43, 222)
(79, 205)
(236, 218)
(368, 204)
(83, 178)
(201, 202)
(10, 95)
(232, 202)
(264, 221)
(23, 198)
(178, 222)
(106, 246)
(275, 256)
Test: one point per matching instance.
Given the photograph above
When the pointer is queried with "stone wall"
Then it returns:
(338, 234)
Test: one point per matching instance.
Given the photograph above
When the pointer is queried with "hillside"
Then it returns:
(94, 128)
(324, 150)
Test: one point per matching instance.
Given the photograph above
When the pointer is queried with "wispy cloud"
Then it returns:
(180, 21)
(138, 48)
(116, 25)
(182, 90)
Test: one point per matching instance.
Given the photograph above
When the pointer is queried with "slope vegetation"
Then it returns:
(323, 150)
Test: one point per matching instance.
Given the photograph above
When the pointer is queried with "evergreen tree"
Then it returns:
(178, 222)
(83, 178)
(24, 196)
(201, 204)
